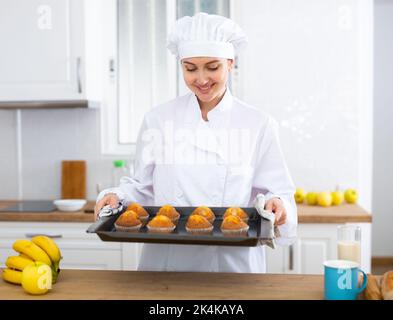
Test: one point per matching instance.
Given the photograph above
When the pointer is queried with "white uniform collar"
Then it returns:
(219, 119)
(218, 113)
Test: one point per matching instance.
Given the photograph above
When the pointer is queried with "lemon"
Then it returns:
(324, 199)
(337, 198)
(300, 194)
(311, 198)
(37, 278)
(351, 195)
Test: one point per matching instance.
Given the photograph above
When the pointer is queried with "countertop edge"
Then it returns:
(306, 215)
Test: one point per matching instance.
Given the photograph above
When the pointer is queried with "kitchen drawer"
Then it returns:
(92, 259)
(60, 230)
(79, 249)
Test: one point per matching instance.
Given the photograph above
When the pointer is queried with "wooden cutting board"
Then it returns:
(73, 179)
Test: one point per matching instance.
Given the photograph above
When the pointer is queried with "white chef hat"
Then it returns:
(205, 35)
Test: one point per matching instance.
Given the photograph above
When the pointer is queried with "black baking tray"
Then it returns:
(260, 229)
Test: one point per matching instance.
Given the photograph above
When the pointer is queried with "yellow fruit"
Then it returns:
(311, 198)
(337, 198)
(351, 196)
(49, 246)
(17, 262)
(300, 194)
(52, 250)
(324, 199)
(24, 256)
(12, 276)
(37, 278)
(33, 251)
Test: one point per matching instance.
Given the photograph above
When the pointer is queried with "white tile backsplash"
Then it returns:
(48, 137)
(8, 163)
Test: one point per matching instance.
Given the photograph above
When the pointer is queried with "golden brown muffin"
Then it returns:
(142, 213)
(233, 225)
(197, 224)
(161, 224)
(236, 211)
(373, 288)
(169, 212)
(128, 221)
(205, 212)
(387, 285)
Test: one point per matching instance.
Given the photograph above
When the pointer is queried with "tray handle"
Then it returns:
(98, 225)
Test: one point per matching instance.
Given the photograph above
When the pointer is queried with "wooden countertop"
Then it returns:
(78, 284)
(306, 214)
(335, 214)
(85, 215)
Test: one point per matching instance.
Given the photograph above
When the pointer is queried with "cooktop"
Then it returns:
(31, 206)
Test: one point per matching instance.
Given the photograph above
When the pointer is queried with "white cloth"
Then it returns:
(205, 35)
(204, 172)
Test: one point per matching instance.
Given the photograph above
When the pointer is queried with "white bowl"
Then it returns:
(69, 204)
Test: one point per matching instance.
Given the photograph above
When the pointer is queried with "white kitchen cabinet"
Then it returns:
(316, 243)
(80, 250)
(42, 50)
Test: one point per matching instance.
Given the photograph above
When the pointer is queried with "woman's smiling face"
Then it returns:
(206, 77)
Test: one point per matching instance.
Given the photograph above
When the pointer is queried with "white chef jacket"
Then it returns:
(183, 160)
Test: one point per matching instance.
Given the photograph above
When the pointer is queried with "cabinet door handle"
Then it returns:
(31, 235)
(78, 74)
(291, 257)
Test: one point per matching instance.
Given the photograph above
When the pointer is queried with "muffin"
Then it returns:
(197, 224)
(169, 212)
(128, 222)
(234, 226)
(142, 213)
(205, 212)
(236, 211)
(161, 224)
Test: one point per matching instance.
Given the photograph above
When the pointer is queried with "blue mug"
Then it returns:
(341, 280)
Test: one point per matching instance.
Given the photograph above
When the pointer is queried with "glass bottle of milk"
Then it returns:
(348, 243)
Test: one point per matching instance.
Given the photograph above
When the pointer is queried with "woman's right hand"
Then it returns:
(111, 199)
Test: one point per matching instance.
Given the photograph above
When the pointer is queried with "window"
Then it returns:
(146, 68)
(144, 72)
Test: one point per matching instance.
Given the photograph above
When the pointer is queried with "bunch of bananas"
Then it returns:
(40, 248)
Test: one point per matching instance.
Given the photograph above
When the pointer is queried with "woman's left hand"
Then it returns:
(276, 206)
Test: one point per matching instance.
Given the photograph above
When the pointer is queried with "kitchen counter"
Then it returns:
(85, 215)
(335, 214)
(78, 284)
(306, 214)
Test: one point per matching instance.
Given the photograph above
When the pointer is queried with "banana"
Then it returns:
(17, 262)
(33, 251)
(49, 246)
(24, 256)
(12, 276)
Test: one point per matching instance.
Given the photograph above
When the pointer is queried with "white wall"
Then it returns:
(383, 130)
(309, 64)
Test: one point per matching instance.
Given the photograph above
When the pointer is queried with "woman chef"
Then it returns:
(207, 148)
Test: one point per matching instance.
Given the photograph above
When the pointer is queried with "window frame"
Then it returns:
(109, 121)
